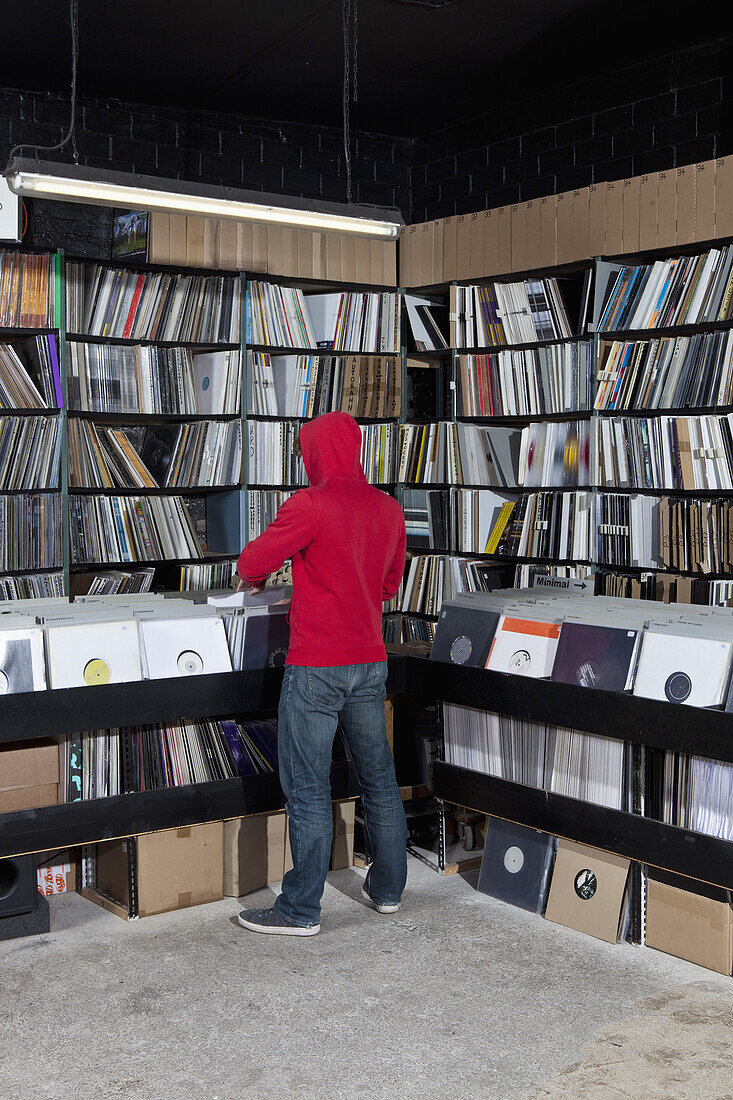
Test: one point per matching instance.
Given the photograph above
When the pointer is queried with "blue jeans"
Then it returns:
(312, 701)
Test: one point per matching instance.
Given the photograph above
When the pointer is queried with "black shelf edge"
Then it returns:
(31, 570)
(140, 265)
(268, 418)
(664, 570)
(324, 353)
(131, 341)
(178, 491)
(642, 335)
(45, 411)
(85, 822)
(515, 560)
(627, 490)
(525, 418)
(147, 418)
(7, 335)
(29, 492)
(30, 715)
(618, 715)
(494, 349)
(443, 353)
(643, 414)
(694, 855)
(572, 267)
(96, 566)
(334, 286)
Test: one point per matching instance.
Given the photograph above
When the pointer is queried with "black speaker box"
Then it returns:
(18, 885)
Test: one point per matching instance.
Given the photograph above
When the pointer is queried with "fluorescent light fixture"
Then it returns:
(73, 183)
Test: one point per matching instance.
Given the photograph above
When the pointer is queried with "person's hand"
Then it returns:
(250, 589)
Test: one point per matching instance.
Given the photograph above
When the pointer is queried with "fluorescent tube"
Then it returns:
(73, 183)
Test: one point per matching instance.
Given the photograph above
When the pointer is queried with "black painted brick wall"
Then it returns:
(304, 161)
(660, 114)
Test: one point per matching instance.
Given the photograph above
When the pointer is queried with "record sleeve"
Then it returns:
(516, 863)
(184, 647)
(21, 661)
(524, 647)
(682, 668)
(89, 654)
(463, 634)
(596, 656)
(587, 890)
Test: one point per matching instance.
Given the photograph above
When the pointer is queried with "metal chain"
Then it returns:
(355, 54)
(346, 27)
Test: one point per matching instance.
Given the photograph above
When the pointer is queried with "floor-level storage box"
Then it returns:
(694, 924)
(175, 868)
(29, 775)
(257, 848)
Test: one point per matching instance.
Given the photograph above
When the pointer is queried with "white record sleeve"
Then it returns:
(22, 665)
(680, 668)
(524, 647)
(184, 647)
(92, 653)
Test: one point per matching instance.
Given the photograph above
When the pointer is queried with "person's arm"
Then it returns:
(393, 579)
(291, 530)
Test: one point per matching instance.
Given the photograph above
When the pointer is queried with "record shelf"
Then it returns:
(55, 712)
(642, 722)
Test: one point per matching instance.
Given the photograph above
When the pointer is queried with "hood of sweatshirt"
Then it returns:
(331, 447)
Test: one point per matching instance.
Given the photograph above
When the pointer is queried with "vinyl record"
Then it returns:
(516, 865)
(524, 647)
(190, 663)
(463, 634)
(593, 656)
(96, 671)
(21, 660)
(683, 668)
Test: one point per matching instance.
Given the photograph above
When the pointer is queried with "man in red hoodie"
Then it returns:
(347, 544)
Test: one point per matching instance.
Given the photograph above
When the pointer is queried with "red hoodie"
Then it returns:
(347, 542)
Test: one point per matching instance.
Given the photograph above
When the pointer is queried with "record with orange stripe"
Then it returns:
(524, 647)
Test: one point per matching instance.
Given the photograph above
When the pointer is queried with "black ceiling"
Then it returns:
(421, 63)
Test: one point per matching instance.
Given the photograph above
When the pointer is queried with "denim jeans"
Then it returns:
(312, 702)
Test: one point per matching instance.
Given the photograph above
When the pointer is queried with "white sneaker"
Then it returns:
(380, 906)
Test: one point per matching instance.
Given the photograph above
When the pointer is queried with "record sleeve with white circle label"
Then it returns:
(524, 647)
(184, 647)
(683, 668)
(516, 864)
(595, 656)
(463, 634)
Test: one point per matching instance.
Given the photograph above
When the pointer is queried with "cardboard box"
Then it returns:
(504, 229)
(227, 258)
(159, 238)
(724, 197)
(548, 231)
(176, 868)
(581, 223)
(691, 925)
(57, 873)
(463, 246)
(705, 201)
(685, 179)
(648, 199)
(257, 848)
(518, 216)
(630, 214)
(587, 890)
(177, 239)
(666, 209)
(597, 220)
(29, 775)
(532, 219)
(256, 852)
(565, 227)
(490, 262)
(614, 217)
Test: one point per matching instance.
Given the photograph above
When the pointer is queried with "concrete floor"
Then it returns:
(455, 996)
